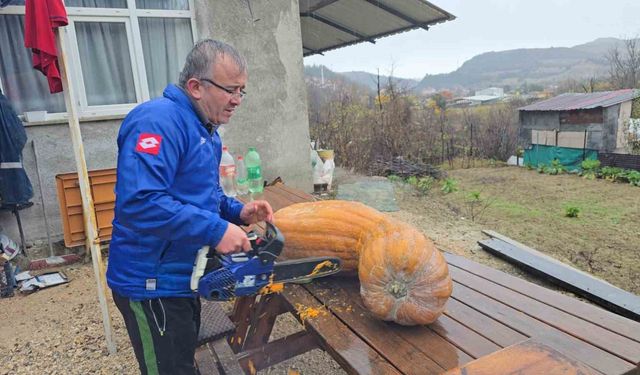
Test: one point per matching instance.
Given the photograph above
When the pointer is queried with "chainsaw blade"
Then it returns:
(305, 269)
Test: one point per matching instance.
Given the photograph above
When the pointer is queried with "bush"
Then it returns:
(555, 168)
(449, 185)
(590, 168)
(633, 177)
(425, 184)
(394, 178)
(612, 173)
(571, 211)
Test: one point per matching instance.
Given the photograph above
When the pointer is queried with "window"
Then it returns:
(120, 53)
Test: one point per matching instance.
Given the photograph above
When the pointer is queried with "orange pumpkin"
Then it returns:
(403, 277)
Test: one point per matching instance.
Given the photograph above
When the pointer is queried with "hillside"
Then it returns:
(510, 68)
(534, 65)
(362, 79)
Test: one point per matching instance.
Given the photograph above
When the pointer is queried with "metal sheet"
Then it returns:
(573, 101)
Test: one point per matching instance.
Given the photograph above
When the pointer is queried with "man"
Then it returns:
(169, 204)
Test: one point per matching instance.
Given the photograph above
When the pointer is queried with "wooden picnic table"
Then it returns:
(494, 323)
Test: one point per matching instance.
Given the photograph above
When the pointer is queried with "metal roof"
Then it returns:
(573, 101)
(331, 24)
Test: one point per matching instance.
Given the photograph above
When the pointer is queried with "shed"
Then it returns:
(595, 121)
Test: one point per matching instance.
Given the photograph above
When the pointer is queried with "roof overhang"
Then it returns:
(331, 24)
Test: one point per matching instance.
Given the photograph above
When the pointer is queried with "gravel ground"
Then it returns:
(59, 330)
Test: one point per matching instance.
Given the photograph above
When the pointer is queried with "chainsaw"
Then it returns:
(219, 277)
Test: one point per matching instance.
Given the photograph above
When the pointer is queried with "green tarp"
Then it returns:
(568, 157)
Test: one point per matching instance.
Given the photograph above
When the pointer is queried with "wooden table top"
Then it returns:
(488, 311)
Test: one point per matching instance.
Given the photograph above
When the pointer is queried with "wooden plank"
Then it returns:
(342, 295)
(294, 198)
(527, 325)
(586, 331)
(205, 361)
(471, 342)
(277, 351)
(226, 358)
(486, 326)
(263, 317)
(534, 358)
(241, 316)
(581, 283)
(306, 196)
(353, 354)
(591, 313)
(380, 335)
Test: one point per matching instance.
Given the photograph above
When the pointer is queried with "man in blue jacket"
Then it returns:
(169, 204)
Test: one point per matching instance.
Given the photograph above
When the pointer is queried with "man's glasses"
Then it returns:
(240, 94)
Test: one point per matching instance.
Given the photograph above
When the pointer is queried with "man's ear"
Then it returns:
(194, 88)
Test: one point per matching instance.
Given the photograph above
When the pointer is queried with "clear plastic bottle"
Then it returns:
(242, 182)
(254, 170)
(227, 173)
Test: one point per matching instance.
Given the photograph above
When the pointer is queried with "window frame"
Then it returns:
(130, 17)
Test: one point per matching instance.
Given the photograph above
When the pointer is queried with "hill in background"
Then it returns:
(511, 69)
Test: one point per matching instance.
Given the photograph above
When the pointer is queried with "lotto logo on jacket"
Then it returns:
(149, 143)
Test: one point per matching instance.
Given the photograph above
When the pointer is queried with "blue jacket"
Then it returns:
(168, 199)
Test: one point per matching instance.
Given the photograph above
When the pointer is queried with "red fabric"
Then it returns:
(42, 17)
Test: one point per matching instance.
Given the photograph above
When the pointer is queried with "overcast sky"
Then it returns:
(487, 25)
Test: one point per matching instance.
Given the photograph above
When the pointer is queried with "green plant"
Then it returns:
(412, 180)
(571, 211)
(541, 168)
(394, 178)
(449, 185)
(555, 168)
(633, 177)
(611, 173)
(425, 184)
(476, 205)
(590, 168)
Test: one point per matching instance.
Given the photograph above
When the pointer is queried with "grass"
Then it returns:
(531, 208)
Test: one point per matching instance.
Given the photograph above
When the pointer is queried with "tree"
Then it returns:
(624, 64)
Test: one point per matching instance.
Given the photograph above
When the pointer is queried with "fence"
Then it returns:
(619, 160)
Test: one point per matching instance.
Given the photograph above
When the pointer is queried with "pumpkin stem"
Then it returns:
(397, 288)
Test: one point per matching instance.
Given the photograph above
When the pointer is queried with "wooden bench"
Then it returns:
(489, 317)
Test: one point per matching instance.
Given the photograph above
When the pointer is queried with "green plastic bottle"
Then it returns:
(254, 170)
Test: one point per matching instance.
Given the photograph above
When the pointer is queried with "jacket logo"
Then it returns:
(149, 143)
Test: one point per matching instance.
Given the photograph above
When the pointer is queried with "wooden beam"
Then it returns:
(90, 225)
(278, 351)
(337, 26)
(579, 282)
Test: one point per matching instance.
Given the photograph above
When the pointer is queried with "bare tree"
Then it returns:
(624, 64)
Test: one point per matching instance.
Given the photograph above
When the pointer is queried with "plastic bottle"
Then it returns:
(254, 170)
(242, 182)
(227, 173)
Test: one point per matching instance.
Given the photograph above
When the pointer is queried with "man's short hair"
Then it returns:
(204, 55)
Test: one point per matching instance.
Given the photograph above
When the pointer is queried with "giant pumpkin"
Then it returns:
(403, 277)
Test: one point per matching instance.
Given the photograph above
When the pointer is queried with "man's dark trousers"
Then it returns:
(163, 333)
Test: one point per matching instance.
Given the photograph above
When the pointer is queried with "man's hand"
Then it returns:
(256, 211)
(234, 240)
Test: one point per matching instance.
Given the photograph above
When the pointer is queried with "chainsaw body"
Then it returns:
(223, 277)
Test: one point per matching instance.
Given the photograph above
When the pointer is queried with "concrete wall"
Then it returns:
(273, 117)
(623, 119)
(55, 156)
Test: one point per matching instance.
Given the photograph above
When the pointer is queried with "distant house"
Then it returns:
(486, 96)
(491, 91)
(594, 121)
